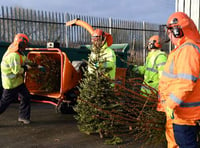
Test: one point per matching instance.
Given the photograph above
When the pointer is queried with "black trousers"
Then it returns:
(9, 95)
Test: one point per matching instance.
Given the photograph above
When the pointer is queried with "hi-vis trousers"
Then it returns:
(169, 133)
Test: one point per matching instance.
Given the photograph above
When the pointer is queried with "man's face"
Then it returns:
(171, 36)
(23, 45)
(150, 44)
(96, 40)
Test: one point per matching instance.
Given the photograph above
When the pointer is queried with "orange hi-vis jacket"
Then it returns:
(179, 86)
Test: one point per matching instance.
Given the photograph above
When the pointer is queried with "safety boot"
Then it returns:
(25, 121)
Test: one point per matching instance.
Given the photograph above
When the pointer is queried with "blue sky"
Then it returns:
(152, 11)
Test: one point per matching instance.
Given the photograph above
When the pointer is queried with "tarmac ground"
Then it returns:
(48, 129)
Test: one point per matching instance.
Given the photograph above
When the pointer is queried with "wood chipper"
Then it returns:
(59, 78)
(58, 84)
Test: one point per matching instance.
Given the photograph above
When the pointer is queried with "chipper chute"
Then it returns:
(89, 28)
(81, 23)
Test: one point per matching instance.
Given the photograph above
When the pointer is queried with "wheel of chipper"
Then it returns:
(65, 108)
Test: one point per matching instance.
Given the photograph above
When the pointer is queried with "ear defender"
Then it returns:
(157, 44)
(154, 45)
(103, 36)
(23, 42)
(177, 32)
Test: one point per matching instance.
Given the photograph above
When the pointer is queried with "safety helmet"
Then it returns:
(181, 25)
(21, 39)
(97, 34)
(20, 42)
(154, 42)
(100, 34)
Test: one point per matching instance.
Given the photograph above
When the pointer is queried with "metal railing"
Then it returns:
(42, 27)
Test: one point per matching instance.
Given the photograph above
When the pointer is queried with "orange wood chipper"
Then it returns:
(59, 78)
(57, 85)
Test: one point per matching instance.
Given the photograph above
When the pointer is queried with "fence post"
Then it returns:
(110, 25)
(144, 42)
(66, 28)
(4, 32)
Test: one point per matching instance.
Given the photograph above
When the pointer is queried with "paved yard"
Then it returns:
(47, 130)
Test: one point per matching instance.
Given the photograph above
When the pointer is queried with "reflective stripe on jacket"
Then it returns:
(153, 67)
(180, 84)
(109, 56)
(12, 74)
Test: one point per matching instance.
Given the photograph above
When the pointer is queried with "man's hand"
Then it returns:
(41, 68)
(170, 112)
(96, 65)
(26, 67)
(135, 68)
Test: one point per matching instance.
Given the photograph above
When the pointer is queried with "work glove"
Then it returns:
(132, 68)
(26, 67)
(41, 68)
(135, 68)
(170, 112)
(96, 64)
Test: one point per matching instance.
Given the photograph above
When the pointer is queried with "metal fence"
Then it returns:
(42, 27)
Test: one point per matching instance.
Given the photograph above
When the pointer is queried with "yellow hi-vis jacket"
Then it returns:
(152, 70)
(12, 74)
(109, 55)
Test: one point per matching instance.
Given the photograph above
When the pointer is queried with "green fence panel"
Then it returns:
(76, 54)
(80, 54)
(121, 51)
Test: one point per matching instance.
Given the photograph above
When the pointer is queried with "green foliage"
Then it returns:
(121, 113)
(95, 91)
(114, 140)
(48, 81)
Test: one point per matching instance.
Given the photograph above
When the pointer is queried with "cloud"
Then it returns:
(153, 11)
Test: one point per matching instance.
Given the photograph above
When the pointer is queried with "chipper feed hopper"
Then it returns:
(59, 77)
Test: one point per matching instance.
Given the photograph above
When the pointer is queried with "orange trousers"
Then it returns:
(169, 133)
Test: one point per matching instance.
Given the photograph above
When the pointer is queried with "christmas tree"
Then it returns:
(120, 113)
(96, 94)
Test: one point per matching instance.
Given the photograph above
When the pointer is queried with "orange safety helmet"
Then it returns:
(21, 39)
(182, 25)
(98, 33)
(154, 42)
(20, 42)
